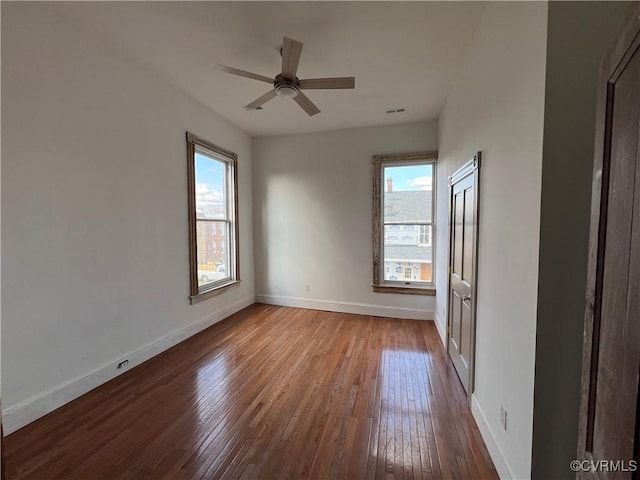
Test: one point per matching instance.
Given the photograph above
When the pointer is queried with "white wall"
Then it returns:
(497, 107)
(573, 58)
(94, 213)
(312, 214)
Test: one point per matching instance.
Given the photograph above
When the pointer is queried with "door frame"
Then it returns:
(471, 167)
(612, 65)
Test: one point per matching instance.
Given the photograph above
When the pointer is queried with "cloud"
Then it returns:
(206, 197)
(422, 183)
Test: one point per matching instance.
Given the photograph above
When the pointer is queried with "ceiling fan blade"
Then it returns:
(306, 104)
(258, 102)
(291, 50)
(328, 83)
(242, 73)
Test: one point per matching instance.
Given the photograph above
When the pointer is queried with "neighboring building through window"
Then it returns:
(213, 225)
(404, 198)
(425, 235)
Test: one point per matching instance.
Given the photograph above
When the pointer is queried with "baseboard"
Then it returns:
(441, 329)
(505, 472)
(29, 410)
(346, 307)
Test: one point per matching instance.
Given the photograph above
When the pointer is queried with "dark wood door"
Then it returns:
(608, 437)
(462, 271)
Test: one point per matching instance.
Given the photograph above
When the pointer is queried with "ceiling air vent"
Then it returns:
(396, 110)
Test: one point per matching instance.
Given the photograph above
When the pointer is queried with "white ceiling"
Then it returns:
(403, 54)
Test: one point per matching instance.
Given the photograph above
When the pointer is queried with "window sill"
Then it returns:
(405, 290)
(217, 290)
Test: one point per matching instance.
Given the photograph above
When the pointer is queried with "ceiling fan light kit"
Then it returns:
(286, 88)
(286, 84)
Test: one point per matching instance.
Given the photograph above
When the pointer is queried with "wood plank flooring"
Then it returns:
(271, 392)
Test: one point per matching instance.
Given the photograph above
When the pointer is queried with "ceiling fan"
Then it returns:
(286, 84)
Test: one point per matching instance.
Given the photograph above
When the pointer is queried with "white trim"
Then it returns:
(441, 330)
(18, 415)
(505, 472)
(346, 307)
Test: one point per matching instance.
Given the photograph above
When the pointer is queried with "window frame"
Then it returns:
(195, 145)
(380, 285)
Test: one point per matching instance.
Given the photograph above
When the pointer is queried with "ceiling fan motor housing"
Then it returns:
(285, 87)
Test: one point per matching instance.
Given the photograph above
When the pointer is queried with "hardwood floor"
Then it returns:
(271, 392)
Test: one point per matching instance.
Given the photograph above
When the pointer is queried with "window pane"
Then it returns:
(210, 187)
(213, 258)
(406, 257)
(408, 193)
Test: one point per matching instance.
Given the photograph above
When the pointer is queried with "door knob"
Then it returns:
(466, 298)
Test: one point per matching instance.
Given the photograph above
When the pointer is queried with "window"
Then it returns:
(212, 218)
(404, 196)
(425, 235)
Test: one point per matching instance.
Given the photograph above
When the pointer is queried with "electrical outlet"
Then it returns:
(123, 364)
(503, 417)
(306, 288)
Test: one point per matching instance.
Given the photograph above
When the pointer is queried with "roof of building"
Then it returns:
(398, 253)
(409, 206)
